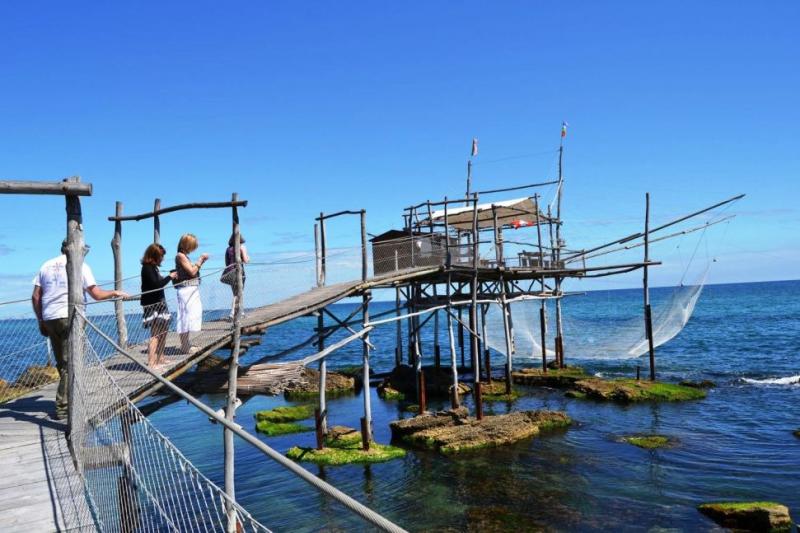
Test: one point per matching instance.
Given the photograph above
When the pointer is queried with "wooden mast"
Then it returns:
(648, 316)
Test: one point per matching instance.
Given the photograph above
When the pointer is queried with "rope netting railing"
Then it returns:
(135, 478)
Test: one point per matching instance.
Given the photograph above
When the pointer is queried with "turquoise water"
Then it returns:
(736, 444)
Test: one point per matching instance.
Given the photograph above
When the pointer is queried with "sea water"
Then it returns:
(736, 444)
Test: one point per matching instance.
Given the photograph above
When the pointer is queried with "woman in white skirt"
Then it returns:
(187, 283)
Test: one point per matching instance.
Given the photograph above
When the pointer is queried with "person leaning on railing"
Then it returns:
(50, 303)
(155, 315)
(190, 308)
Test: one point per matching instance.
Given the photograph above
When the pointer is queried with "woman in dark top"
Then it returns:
(156, 315)
(229, 274)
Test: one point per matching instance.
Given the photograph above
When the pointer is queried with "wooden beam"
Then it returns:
(181, 207)
(70, 186)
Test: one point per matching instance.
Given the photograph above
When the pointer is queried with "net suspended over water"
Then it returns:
(618, 335)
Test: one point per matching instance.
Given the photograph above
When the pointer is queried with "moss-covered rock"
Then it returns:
(282, 420)
(388, 393)
(703, 384)
(648, 442)
(631, 390)
(286, 413)
(36, 376)
(749, 516)
(449, 433)
(272, 429)
(343, 446)
(554, 377)
(496, 392)
(335, 385)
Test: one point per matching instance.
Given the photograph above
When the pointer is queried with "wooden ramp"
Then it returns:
(40, 489)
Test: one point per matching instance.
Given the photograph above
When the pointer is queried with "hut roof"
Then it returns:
(510, 213)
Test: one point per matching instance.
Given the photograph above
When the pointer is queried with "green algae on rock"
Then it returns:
(554, 377)
(648, 442)
(452, 431)
(388, 393)
(272, 429)
(631, 390)
(286, 413)
(496, 392)
(343, 446)
(282, 420)
(749, 516)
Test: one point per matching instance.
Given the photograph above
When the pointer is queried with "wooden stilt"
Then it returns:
(648, 314)
(119, 307)
(507, 332)
(156, 221)
(398, 349)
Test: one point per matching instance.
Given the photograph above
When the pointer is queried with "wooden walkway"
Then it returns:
(40, 489)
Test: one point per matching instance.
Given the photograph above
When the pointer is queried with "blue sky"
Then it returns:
(322, 106)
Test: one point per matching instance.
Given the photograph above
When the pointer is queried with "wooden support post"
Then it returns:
(478, 401)
(487, 354)
(233, 369)
(74, 252)
(437, 350)
(365, 434)
(156, 221)
(364, 267)
(119, 307)
(317, 256)
(648, 315)
(323, 375)
(543, 310)
(454, 399)
(318, 428)
(423, 393)
(398, 349)
(507, 332)
(461, 336)
(473, 309)
(323, 253)
(543, 331)
(366, 431)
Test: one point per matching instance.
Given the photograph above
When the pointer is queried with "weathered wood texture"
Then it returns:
(69, 186)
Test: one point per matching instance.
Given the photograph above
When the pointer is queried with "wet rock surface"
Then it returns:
(631, 390)
(335, 383)
(749, 516)
(554, 377)
(451, 432)
(438, 381)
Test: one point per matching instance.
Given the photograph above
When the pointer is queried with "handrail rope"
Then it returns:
(153, 429)
(352, 504)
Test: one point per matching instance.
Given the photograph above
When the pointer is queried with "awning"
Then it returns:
(516, 213)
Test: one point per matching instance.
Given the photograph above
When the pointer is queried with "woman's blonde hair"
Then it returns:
(187, 244)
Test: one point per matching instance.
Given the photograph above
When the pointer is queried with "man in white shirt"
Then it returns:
(50, 303)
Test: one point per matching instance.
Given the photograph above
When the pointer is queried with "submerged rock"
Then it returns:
(343, 446)
(704, 384)
(749, 516)
(796, 433)
(648, 442)
(449, 432)
(631, 390)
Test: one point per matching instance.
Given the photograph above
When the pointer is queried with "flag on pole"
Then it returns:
(474, 147)
(564, 129)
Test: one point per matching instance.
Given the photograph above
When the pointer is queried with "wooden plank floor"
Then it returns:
(39, 487)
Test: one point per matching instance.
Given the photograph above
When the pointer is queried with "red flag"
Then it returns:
(474, 147)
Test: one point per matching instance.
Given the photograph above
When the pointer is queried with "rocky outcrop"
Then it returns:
(335, 384)
(438, 381)
(450, 432)
(749, 516)
(704, 384)
(554, 377)
(631, 390)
